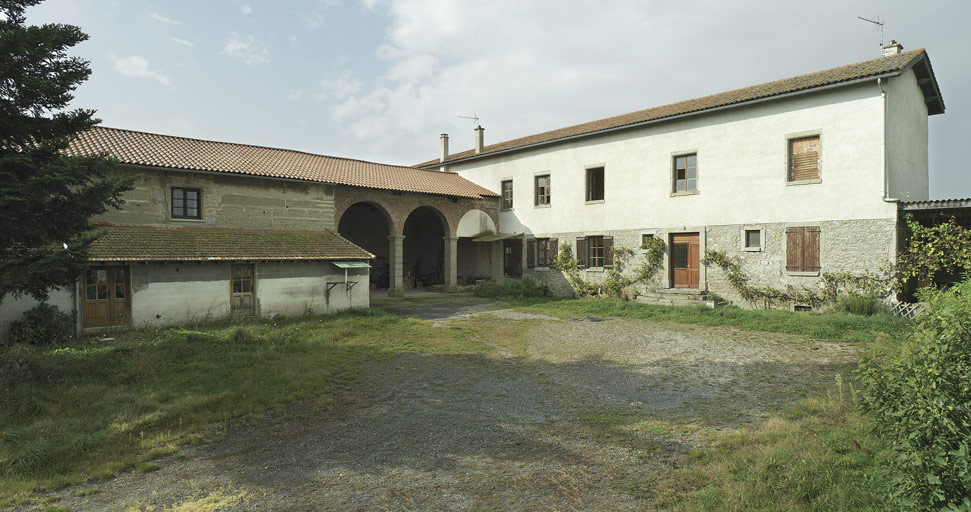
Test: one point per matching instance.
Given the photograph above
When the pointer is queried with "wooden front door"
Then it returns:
(685, 260)
(512, 257)
(243, 282)
(107, 298)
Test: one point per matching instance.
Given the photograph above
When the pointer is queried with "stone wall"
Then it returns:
(845, 246)
(398, 205)
(227, 201)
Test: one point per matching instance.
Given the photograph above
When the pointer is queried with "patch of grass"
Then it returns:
(816, 456)
(88, 491)
(424, 299)
(96, 409)
(146, 467)
(828, 326)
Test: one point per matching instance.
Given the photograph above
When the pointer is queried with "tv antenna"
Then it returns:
(877, 23)
(473, 117)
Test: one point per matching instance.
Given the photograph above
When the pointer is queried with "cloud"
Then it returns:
(168, 21)
(245, 9)
(248, 50)
(317, 16)
(137, 66)
(295, 95)
(294, 42)
(183, 42)
(339, 88)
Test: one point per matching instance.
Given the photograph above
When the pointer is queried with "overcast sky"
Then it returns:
(380, 80)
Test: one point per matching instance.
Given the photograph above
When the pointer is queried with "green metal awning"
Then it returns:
(496, 237)
(352, 264)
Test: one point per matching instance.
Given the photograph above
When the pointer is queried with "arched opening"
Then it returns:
(424, 249)
(367, 226)
(474, 258)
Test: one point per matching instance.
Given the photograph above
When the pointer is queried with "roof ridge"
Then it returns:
(256, 146)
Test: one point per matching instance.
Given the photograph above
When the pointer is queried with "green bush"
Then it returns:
(488, 289)
(518, 288)
(865, 304)
(43, 325)
(920, 402)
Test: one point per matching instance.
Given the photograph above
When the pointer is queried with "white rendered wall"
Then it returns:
(178, 293)
(294, 289)
(907, 139)
(11, 309)
(742, 166)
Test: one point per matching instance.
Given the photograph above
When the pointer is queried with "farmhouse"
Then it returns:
(794, 177)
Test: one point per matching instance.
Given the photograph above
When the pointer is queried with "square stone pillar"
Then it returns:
(497, 259)
(451, 263)
(396, 259)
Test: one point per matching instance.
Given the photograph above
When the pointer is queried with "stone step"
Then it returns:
(675, 298)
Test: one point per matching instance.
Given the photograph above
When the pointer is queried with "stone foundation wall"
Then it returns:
(845, 246)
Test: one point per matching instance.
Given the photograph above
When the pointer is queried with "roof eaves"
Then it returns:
(740, 103)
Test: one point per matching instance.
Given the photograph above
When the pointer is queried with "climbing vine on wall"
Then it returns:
(940, 248)
(615, 282)
(831, 284)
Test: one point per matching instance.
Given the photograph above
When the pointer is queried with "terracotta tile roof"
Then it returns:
(849, 73)
(140, 148)
(190, 243)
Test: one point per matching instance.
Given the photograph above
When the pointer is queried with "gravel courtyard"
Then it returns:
(578, 414)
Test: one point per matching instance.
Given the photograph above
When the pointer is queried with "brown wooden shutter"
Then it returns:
(608, 252)
(531, 253)
(554, 250)
(804, 159)
(581, 251)
(794, 252)
(810, 249)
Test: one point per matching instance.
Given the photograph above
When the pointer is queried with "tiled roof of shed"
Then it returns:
(191, 243)
(140, 148)
(871, 68)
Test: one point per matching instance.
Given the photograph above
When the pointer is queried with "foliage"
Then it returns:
(920, 402)
(526, 287)
(46, 197)
(831, 285)
(865, 304)
(43, 324)
(615, 283)
(940, 248)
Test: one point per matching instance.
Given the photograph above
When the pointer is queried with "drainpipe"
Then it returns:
(886, 175)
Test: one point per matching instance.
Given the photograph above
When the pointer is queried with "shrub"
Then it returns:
(488, 289)
(43, 325)
(921, 404)
(864, 304)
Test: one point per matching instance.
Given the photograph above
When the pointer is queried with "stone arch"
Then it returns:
(425, 247)
(368, 225)
(474, 223)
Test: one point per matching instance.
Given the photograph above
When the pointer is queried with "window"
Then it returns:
(186, 203)
(543, 190)
(686, 173)
(595, 184)
(646, 239)
(804, 158)
(507, 195)
(802, 249)
(753, 239)
(540, 252)
(595, 251)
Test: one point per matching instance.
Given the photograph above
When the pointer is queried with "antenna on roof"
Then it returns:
(877, 23)
(473, 117)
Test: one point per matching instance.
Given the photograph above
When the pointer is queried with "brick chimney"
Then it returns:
(893, 48)
(479, 139)
(444, 155)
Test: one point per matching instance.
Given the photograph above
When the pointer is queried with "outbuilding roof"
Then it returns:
(883, 66)
(192, 243)
(166, 151)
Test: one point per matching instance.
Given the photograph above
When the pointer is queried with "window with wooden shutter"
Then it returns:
(581, 251)
(554, 250)
(608, 252)
(804, 156)
(531, 253)
(802, 249)
(595, 251)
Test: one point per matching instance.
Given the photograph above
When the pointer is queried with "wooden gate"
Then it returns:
(685, 260)
(512, 257)
(107, 293)
(243, 282)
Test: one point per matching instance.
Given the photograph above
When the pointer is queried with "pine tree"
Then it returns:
(46, 197)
